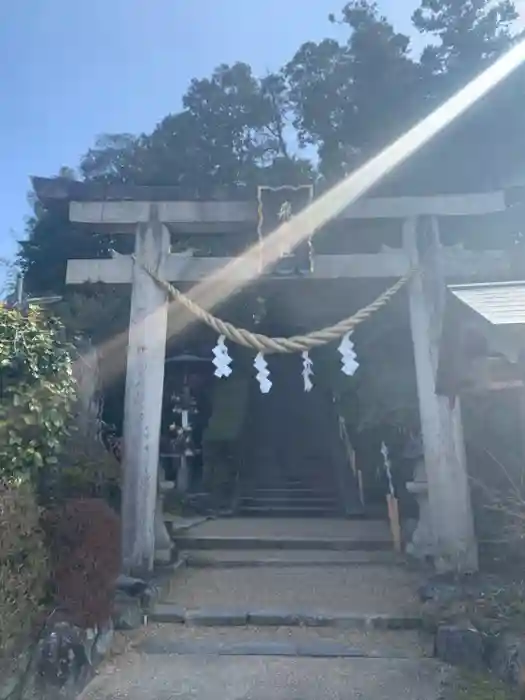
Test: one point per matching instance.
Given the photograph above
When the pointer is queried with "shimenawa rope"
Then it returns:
(266, 345)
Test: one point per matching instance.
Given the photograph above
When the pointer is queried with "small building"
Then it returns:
(483, 338)
(481, 365)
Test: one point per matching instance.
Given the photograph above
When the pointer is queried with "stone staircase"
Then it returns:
(294, 462)
(282, 608)
(330, 573)
(289, 496)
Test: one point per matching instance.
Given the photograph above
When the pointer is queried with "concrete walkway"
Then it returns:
(315, 622)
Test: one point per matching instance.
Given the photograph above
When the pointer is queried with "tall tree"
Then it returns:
(231, 133)
(114, 158)
(352, 98)
(486, 146)
(51, 240)
(467, 35)
(239, 123)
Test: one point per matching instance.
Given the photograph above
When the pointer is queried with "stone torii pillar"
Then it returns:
(143, 398)
(451, 520)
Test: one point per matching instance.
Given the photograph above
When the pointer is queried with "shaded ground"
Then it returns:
(136, 677)
(468, 686)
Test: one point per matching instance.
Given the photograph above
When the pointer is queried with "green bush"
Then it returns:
(86, 469)
(36, 391)
(23, 563)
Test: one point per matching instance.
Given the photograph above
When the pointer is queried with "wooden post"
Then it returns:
(143, 401)
(445, 460)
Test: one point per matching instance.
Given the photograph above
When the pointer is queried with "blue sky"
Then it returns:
(70, 70)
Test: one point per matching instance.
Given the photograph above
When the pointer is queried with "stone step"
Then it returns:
(193, 542)
(301, 534)
(312, 487)
(289, 510)
(331, 592)
(138, 675)
(307, 477)
(215, 616)
(297, 503)
(286, 558)
(292, 505)
(314, 642)
(278, 492)
(284, 493)
(262, 470)
(285, 498)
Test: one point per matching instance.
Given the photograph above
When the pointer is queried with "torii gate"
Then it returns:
(151, 212)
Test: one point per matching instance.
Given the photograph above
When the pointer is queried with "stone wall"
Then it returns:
(61, 658)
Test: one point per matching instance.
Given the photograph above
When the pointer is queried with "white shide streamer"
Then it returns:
(262, 375)
(307, 371)
(222, 360)
(348, 356)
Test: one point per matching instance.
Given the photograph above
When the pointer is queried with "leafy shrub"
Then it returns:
(87, 469)
(84, 542)
(23, 562)
(36, 391)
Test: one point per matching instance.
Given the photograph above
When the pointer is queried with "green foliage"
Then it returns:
(95, 311)
(36, 391)
(335, 108)
(465, 38)
(23, 562)
(51, 241)
(470, 34)
(86, 469)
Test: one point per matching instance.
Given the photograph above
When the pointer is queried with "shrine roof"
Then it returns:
(67, 190)
(61, 188)
(501, 303)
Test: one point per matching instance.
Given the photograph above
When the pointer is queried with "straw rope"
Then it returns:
(267, 345)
